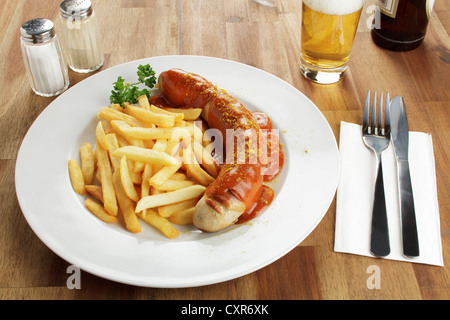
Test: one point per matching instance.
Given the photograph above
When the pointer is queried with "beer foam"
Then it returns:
(335, 7)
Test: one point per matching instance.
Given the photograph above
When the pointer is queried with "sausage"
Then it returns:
(240, 181)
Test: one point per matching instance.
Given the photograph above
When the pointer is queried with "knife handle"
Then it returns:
(379, 238)
(407, 211)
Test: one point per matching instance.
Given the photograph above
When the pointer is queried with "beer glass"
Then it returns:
(328, 31)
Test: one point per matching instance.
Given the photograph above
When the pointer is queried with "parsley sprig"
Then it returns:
(129, 92)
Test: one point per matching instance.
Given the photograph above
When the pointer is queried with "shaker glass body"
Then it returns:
(45, 65)
(82, 43)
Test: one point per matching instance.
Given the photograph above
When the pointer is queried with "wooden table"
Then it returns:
(267, 38)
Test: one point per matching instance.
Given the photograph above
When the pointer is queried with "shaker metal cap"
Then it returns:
(37, 30)
(79, 9)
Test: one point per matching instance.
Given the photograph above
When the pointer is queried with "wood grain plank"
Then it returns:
(298, 274)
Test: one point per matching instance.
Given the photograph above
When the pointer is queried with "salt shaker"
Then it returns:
(81, 36)
(43, 58)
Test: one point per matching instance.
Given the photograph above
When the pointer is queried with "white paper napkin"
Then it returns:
(355, 195)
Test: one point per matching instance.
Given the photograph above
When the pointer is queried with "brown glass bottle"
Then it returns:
(402, 24)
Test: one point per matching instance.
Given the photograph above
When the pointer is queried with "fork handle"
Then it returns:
(379, 242)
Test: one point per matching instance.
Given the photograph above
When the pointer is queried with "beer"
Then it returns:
(402, 24)
(328, 31)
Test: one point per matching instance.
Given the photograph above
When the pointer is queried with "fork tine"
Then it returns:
(380, 116)
(366, 113)
(387, 115)
(374, 112)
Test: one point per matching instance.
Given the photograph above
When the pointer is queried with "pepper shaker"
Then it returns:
(81, 36)
(43, 58)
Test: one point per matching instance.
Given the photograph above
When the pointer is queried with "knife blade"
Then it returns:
(400, 142)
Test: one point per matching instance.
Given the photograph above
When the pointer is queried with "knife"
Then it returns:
(400, 141)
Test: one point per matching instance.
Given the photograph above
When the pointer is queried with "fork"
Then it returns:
(376, 137)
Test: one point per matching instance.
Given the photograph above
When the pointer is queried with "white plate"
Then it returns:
(304, 189)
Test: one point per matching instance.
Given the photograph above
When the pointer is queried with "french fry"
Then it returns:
(198, 133)
(178, 116)
(174, 148)
(160, 145)
(95, 192)
(98, 210)
(116, 106)
(104, 167)
(170, 209)
(87, 162)
(122, 141)
(163, 175)
(183, 217)
(108, 128)
(206, 159)
(127, 181)
(173, 133)
(180, 124)
(178, 176)
(159, 119)
(171, 185)
(155, 191)
(161, 199)
(100, 135)
(189, 113)
(113, 144)
(148, 144)
(155, 220)
(119, 126)
(144, 103)
(194, 169)
(145, 155)
(76, 177)
(110, 114)
(145, 183)
(126, 205)
(97, 176)
(136, 177)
